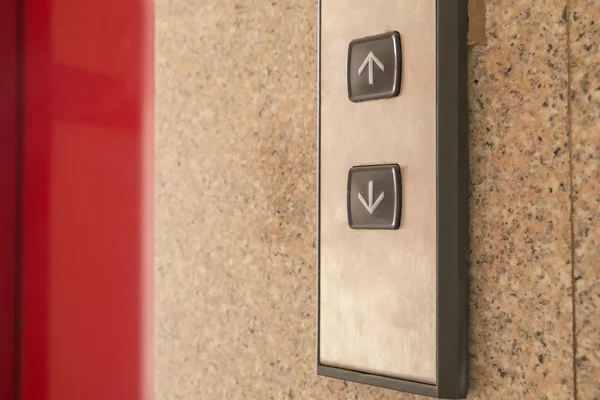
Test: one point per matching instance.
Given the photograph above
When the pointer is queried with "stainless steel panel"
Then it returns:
(378, 288)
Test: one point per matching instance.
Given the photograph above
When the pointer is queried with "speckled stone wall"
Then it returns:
(584, 66)
(236, 190)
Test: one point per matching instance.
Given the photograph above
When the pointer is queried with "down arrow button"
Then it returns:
(374, 197)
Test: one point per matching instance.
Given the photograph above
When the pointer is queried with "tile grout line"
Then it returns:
(571, 198)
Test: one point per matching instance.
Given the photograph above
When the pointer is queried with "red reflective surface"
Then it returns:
(8, 193)
(87, 200)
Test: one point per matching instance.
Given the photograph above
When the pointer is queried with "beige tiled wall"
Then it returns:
(235, 205)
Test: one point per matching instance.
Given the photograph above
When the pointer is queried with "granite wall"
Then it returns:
(235, 202)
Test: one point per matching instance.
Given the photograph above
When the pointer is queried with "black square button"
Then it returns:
(374, 197)
(374, 67)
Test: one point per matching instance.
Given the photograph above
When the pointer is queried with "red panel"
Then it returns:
(87, 207)
(8, 193)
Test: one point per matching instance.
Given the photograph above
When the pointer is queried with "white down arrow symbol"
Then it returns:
(370, 206)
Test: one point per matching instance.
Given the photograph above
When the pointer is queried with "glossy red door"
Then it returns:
(87, 200)
(8, 193)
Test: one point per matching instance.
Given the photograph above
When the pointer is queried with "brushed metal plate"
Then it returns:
(378, 288)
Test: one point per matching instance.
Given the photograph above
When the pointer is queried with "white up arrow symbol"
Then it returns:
(370, 206)
(369, 61)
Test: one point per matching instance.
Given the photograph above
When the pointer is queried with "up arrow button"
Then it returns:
(374, 67)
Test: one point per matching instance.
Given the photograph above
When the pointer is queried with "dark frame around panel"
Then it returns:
(452, 214)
